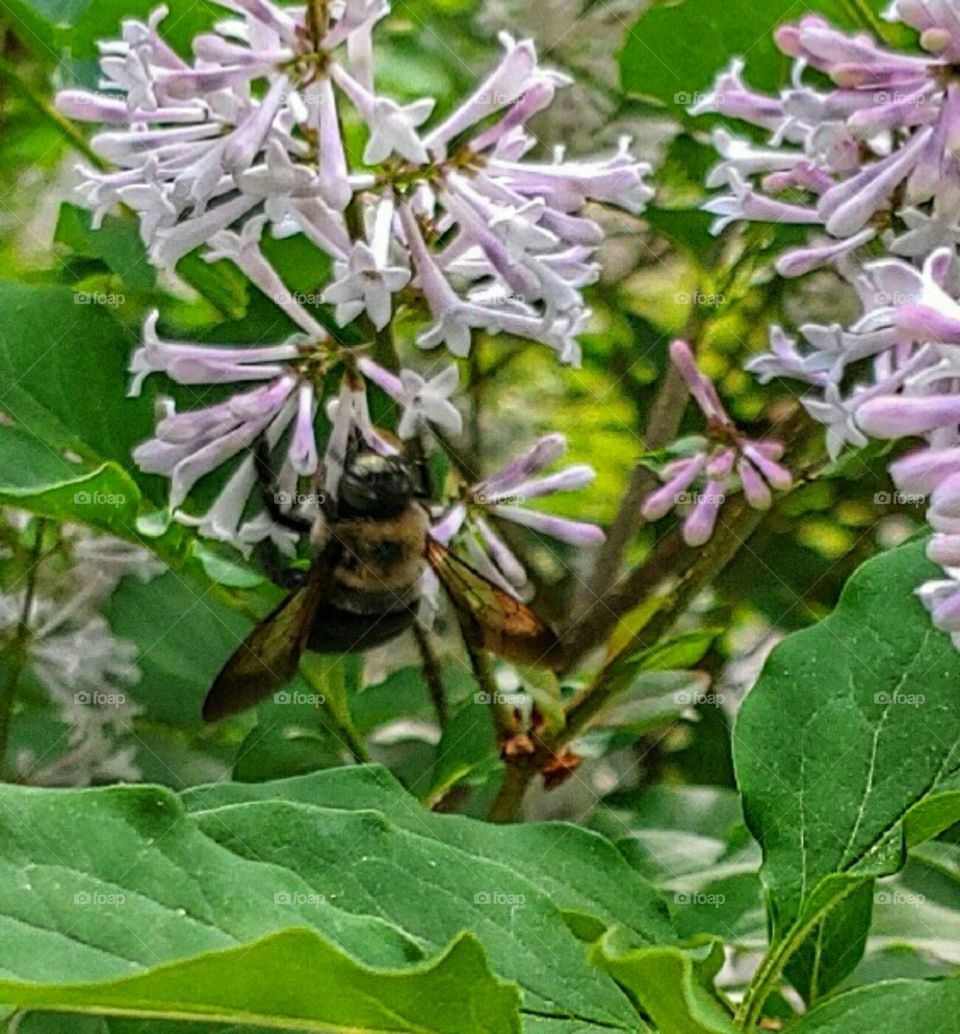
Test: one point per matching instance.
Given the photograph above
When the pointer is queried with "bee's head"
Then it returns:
(375, 486)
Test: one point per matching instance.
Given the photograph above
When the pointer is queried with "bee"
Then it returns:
(371, 547)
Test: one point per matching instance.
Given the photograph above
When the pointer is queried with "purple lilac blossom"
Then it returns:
(716, 466)
(250, 130)
(874, 158)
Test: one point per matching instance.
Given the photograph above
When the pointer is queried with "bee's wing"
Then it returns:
(269, 657)
(497, 621)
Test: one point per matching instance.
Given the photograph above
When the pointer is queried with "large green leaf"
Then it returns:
(848, 751)
(98, 884)
(294, 978)
(893, 1007)
(673, 986)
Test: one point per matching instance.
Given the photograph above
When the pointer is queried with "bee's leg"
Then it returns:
(269, 495)
(272, 564)
(417, 453)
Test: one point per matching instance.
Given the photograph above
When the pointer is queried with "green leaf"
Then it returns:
(674, 986)
(893, 1007)
(295, 978)
(820, 747)
(184, 632)
(467, 743)
(84, 873)
(35, 477)
(116, 244)
(63, 365)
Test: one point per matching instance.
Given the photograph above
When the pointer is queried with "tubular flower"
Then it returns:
(250, 129)
(893, 375)
(873, 157)
(503, 496)
(716, 466)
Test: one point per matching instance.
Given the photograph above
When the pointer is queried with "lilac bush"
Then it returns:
(871, 166)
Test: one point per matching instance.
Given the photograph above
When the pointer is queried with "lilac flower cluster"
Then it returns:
(871, 162)
(873, 159)
(716, 466)
(249, 136)
(247, 139)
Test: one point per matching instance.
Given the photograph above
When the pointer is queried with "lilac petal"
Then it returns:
(755, 489)
(503, 86)
(944, 550)
(699, 386)
(659, 503)
(699, 525)
(800, 261)
(777, 475)
(564, 481)
(502, 555)
(945, 611)
(332, 165)
(575, 533)
(919, 472)
(901, 416)
(303, 446)
(389, 382)
(847, 208)
(541, 454)
(449, 525)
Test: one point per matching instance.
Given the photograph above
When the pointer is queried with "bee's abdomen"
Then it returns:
(342, 631)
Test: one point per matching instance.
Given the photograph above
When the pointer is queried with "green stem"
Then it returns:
(320, 675)
(13, 657)
(63, 125)
(318, 19)
(768, 975)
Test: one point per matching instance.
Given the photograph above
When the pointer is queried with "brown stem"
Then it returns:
(663, 424)
(432, 675)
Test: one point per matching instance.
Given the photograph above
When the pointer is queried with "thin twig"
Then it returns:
(432, 674)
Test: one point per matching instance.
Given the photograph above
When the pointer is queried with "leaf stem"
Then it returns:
(768, 974)
(47, 111)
